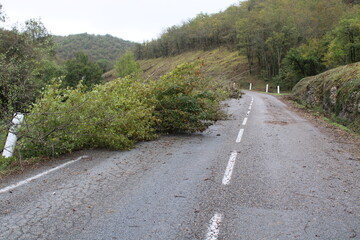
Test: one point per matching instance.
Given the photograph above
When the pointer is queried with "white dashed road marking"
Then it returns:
(229, 168)
(239, 137)
(213, 230)
(245, 121)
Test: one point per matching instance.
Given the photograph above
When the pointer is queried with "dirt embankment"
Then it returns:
(336, 92)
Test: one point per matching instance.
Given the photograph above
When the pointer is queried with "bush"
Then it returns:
(119, 113)
(111, 116)
(186, 101)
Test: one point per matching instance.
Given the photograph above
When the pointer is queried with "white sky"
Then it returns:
(135, 20)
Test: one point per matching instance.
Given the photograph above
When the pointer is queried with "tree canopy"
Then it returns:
(81, 69)
(280, 38)
(25, 56)
(97, 47)
(127, 65)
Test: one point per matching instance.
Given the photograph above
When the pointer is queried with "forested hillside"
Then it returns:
(97, 47)
(283, 40)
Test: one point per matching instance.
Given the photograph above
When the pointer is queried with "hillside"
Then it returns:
(97, 47)
(222, 64)
(283, 40)
(337, 92)
(219, 63)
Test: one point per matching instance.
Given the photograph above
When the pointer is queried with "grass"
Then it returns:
(322, 115)
(335, 124)
(11, 164)
(4, 129)
(5, 163)
(222, 64)
(219, 62)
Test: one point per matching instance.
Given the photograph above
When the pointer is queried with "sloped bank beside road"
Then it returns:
(337, 92)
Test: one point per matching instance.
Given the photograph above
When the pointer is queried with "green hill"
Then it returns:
(336, 92)
(222, 64)
(97, 47)
(219, 63)
(283, 40)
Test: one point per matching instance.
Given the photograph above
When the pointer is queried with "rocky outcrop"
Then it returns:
(336, 91)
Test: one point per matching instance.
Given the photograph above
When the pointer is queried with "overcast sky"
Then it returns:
(135, 20)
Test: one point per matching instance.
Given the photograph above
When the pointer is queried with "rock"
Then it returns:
(336, 92)
(333, 95)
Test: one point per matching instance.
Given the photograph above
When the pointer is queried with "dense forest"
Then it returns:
(97, 47)
(283, 40)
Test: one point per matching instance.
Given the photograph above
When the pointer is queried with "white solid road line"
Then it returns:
(11, 187)
(239, 137)
(213, 230)
(229, 168)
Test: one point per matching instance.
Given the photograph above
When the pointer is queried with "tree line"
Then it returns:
(283, 40)
(28, 63)
(104, 49)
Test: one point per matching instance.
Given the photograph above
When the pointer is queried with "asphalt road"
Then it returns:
(272, 176)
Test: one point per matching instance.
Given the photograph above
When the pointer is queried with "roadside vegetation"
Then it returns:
(117, 114)
(282, 40)
(221, 63)
(224, 66)
(174, 83)
(335, 92)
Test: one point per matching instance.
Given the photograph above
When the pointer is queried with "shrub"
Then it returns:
(127, 65)
(185, 100)
(119, 113)
(111, 116)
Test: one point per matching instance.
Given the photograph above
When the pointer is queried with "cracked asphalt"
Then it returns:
(291, 180)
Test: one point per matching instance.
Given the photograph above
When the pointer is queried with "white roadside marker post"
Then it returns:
(250, 86)
(12, 138)
(267, 87)
(278, 89)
